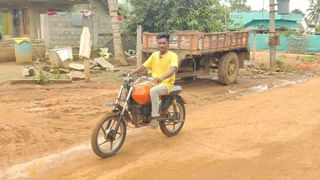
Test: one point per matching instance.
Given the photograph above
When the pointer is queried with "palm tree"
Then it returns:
(314, 12)
(115, 25)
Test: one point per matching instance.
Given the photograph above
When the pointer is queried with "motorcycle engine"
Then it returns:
(140, 113)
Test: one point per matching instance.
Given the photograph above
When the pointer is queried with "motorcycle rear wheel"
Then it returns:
(178, 123)
(104, 133)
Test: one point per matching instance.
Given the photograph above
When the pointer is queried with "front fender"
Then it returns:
(117, 109)
(112, 105)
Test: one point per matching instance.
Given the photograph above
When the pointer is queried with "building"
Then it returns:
(51, 23)
(260, 21)
(22, 18)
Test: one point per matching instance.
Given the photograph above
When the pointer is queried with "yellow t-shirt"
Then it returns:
(160, 66)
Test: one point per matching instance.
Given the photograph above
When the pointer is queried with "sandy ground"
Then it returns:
(269, 135)
(229, 134)
(291, 62)
(10, 71)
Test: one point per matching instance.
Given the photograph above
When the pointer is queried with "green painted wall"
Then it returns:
(279, 23)
(314, 44)
(262, 43)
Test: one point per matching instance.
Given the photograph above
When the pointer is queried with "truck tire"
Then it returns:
(228, 68)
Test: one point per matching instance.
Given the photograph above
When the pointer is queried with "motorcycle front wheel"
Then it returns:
(105, 140)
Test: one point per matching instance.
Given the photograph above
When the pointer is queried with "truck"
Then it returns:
(201, 53)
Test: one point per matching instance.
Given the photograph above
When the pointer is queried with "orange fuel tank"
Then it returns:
(141, 94)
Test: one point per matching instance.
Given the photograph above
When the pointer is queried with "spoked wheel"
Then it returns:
(105, 140)
(175, 116)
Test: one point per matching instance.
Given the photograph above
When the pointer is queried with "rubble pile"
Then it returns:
(72, 69)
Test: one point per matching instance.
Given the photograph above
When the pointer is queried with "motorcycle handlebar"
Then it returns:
(128, 78)
(149, 79)
(126, 74)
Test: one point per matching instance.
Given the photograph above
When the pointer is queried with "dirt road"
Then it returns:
(269, 135)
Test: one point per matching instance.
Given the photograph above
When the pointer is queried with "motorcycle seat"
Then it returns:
(175, 90)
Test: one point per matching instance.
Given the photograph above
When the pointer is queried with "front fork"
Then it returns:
(124, 105)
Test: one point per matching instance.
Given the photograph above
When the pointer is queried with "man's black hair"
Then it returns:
(163, 35)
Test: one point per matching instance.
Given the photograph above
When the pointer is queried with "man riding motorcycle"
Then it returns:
(163, 65)
(137, 103)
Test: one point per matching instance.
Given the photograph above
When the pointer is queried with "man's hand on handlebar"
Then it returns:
(137, 71)
(157, 80)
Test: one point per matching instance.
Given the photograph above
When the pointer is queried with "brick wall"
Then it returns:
(7, 50)
(38, 49)
(58, 30)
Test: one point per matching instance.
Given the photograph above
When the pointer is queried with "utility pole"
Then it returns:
(139, 45)
(272, 35)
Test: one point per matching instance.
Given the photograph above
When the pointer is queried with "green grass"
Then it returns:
(307, 58)
(58, 74)
(43, 79)
(262, 65)
(289, 69)
(279, 63)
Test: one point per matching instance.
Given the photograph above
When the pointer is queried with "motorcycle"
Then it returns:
(133, 106)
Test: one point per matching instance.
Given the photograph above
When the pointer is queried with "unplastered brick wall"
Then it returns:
(38, 49)
(58, 31)
(7, 52)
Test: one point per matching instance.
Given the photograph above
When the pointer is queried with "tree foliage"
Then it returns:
(123, 9)
(239, 6)
(172, 15)
(298, 11)
(314, 12)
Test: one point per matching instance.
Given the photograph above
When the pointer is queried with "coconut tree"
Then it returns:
(314, 12)
(115, 25)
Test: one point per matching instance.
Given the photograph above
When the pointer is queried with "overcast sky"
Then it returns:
(303, 5)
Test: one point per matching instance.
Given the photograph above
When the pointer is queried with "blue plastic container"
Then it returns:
(23, 50)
